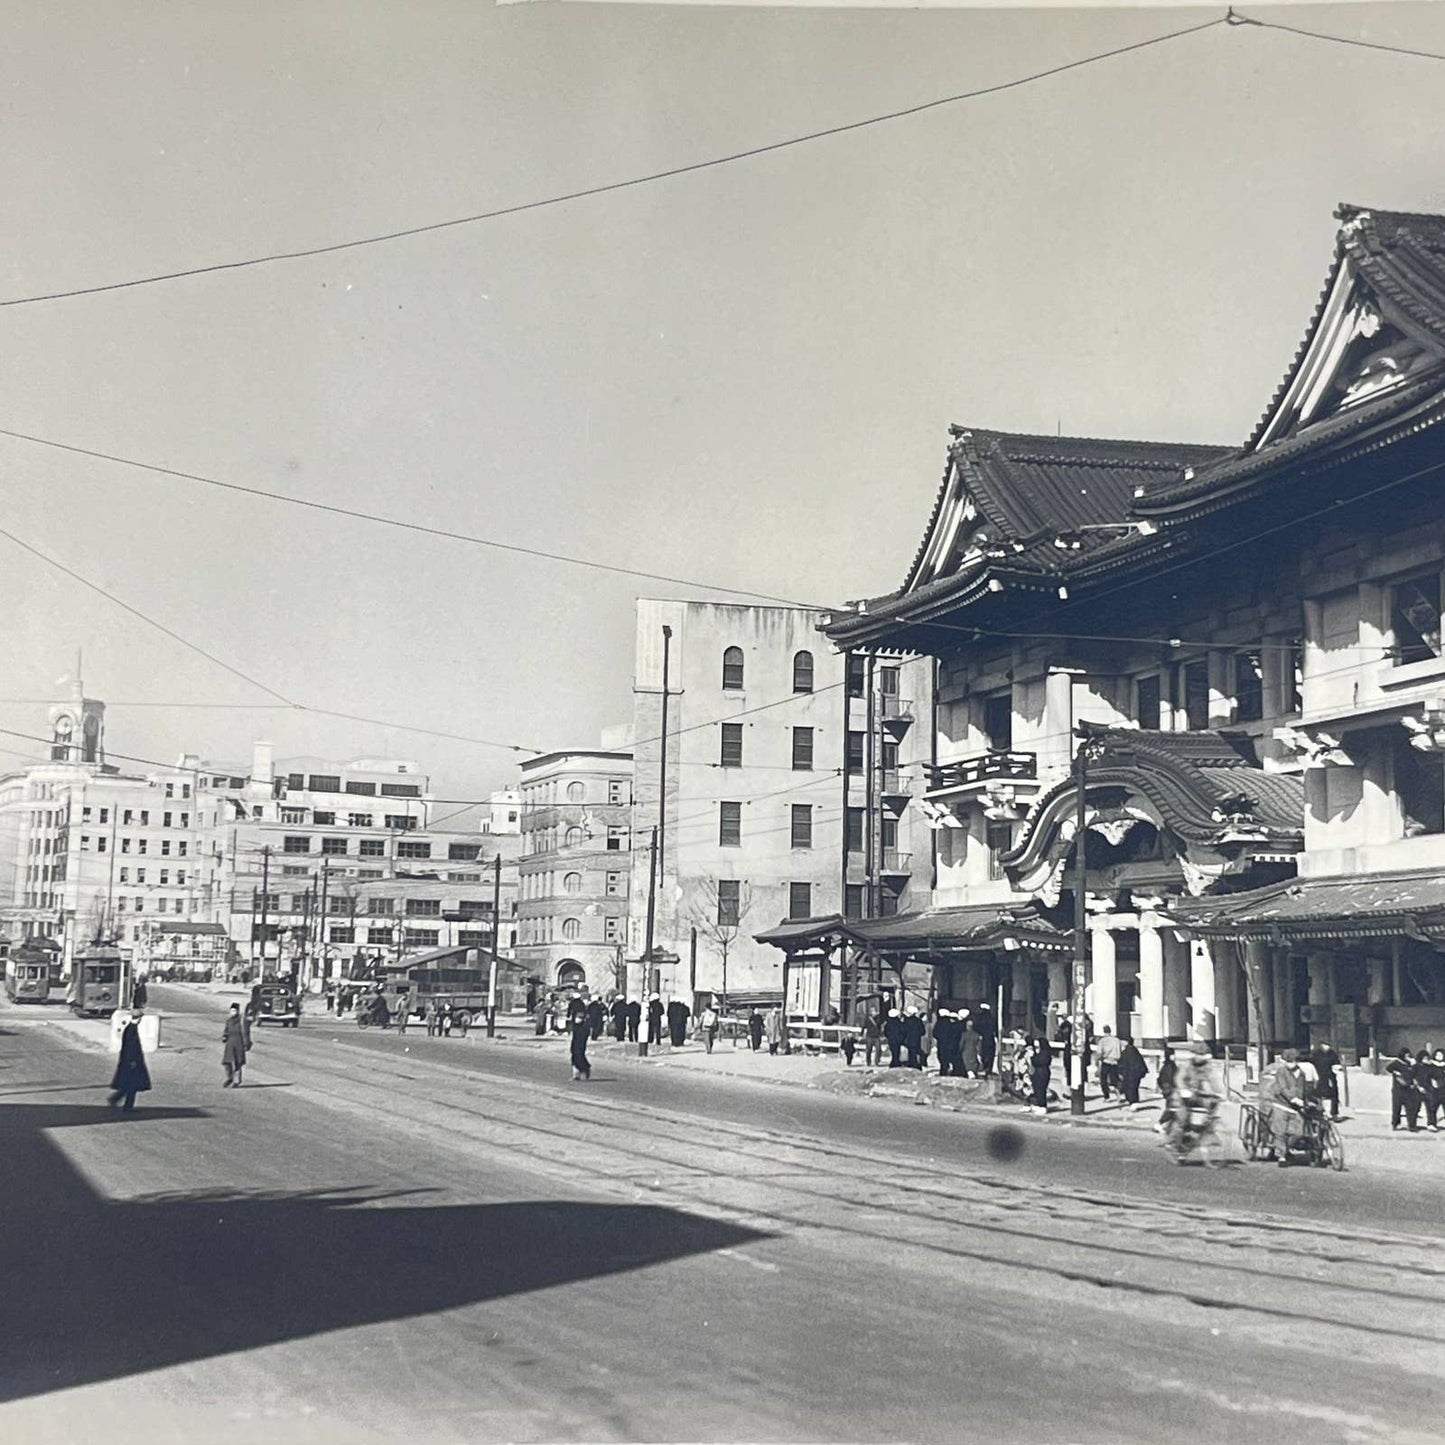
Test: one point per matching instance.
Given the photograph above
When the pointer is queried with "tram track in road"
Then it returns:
(1267, 1269)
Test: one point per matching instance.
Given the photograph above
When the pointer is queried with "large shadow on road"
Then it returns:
(94, 1289)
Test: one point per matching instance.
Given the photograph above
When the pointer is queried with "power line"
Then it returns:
(607, 188)
(1235, 18)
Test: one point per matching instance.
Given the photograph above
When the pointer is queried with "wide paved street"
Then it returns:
(385, 1238)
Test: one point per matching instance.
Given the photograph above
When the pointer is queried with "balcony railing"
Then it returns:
(895, 709)
(986, 767)
(896, 784)
(896, 862)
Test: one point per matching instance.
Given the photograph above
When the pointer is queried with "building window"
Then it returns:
(802, 827)
(573, 837)
(802, 749)
(85, 842)
(855, 754)
(732, 677)
(358, 820)
(372, 848)
(853, 901)
(1415, 618)
(571, 928)
(1420, 787)
(333, 846)
(1248, 686)
(170, 790)
(571, 882)
(731, 752)
(380, 906)
(409, 848)
(381, 935)
(575, 792)
(165, 820)
(400, 790)
(729, 902)
(612, 930)
(295, 844)
(296, 782)
(341, 933)
(1148, 703)
(888, 681)
(293, 815)
(165, 847)
(361, 790)
(615, 795)
(423, 908)
(616, 839)
(165, 877)
(802, 672)
(420, 937)
(463, 852)
(800, 900)
(140, 875)
(614, 887)
(181, 848)
(998, 722)
(325, 783)
(854, 827)
(857, 674)
(729, 825)
(400, 822)
(1194, 694)
(125, 875)
(999, 838)
(324, 820)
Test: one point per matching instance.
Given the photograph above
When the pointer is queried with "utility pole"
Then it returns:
(496, 943)
(265, 900)
(660, 854)
(321, 921)
(301, 957)
(1078, 1030)
(651, 907)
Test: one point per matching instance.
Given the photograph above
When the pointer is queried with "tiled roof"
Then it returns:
(963, 929)
(1387, 905)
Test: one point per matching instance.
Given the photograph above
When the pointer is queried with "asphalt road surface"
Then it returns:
(382, 1238)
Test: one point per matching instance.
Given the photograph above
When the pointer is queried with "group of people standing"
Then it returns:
(1415, 1080)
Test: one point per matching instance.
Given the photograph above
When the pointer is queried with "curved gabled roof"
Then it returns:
(1199, 783)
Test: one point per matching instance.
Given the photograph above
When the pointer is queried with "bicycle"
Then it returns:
(1317, 1141)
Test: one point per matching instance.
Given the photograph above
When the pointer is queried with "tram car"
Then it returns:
(27, 974)
(99, 981)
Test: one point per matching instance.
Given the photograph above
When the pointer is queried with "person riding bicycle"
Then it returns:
(1195, 1101)
(1282, 1102)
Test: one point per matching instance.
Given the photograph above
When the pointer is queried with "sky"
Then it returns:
(741, 376)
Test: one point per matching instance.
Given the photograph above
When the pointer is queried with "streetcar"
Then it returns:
(100, 981)
(27, 974)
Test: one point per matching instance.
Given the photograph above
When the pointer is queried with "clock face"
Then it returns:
(63, 726)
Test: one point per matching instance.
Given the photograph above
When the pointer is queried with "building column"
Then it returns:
(1059, 990)
(1020, 1001)
(1257, 957)
(1151, 985)
(1283, 996)
(1176, 984)
(1103, 991)
(1203, 1001)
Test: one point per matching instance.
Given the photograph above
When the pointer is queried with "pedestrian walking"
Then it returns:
(969, 1048)
(1041, 1068)
(1430, 1074)
(872, 1040)
(848, 1046)
(1164, 1081)
(709, 1021)
(1405, 1091)
(434, 1019)
(945, 1030)
(138, 994)
(596, 1017)
(1327, 1062)
(403, 1012)
(1110, 1052)
(444, 1020)
(775, 1029)
(755, 1029)
(1132, 1069)
(131, 1076)
(986, 1027)
(678, 1014)
(619, 1018)
(634, 1019)
(234, 1044)
(581, 1033)
(654, 1019)
(893, 1037)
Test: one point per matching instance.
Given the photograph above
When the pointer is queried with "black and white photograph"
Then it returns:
(722, 722)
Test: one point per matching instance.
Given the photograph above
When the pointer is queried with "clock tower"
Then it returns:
(77, 726)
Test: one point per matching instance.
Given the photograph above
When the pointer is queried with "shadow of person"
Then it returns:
(97, 1289)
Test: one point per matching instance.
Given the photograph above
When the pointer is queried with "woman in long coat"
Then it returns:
(581, 1033)
(233, 1048)
(773, 1026)
(1132, 1069)
(968, 1049)
(131, 1076)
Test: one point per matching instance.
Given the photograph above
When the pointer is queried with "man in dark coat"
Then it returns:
(986, 1027)
(619, 1018)
(234, 1041)
(596, 1017)
(654, 1020)
(1132, 1069)
(634, 1019)
(893, 1037)
(1405, 1091)
(755, 1029)
(913, 1038)
(138, 994)
(1326, 1061)
(943, 1037)
(131, 1076)
(678, 1014)
(1040, 1072)
(581, 1033)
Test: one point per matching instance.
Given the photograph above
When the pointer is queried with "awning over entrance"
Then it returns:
(1389, 905)
(975, 929)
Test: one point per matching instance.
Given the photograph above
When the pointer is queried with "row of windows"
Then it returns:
(538, 795)
(730, 824)
(123, 875)
(179, 906)
(730, 904)
(733, 667)
(730, 748)
(544, 885)
(297, 843)
(141, 846)
(547, 840)
(331, 783)
(545, 930)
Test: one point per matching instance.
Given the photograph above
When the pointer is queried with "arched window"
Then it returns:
(575, 792)
(802, 672)
(571, 974)
(573, 837)
(571, 882)
(571, 927)
(733, 669)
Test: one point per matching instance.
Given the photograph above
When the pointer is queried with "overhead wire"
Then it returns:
(607, 188)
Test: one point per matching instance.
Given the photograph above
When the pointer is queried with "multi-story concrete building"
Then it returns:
(404, 913)
(788, 784)
(1229, 661)
(574, 870)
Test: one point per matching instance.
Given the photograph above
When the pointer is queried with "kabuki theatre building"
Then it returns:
(1236, 653)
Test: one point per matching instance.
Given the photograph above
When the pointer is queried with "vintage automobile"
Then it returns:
(274, 1001)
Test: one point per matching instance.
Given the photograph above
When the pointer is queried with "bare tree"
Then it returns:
(718, 918)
